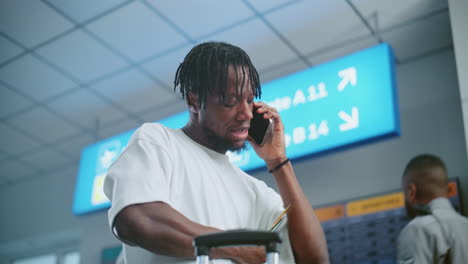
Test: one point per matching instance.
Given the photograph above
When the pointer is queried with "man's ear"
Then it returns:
(192, 101)
(411, 190)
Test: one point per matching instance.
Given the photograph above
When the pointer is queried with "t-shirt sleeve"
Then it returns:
(414, 245)
(141, 174)
(269, 207)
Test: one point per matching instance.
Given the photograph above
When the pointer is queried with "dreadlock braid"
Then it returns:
(205, 70)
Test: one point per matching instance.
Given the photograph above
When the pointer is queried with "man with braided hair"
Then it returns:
(437, 233)
(171, 185)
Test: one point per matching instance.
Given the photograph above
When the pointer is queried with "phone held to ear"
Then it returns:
(260, 128)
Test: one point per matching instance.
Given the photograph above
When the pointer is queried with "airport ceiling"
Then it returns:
(75, 72)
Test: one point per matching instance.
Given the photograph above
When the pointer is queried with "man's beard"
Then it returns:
(220, 143)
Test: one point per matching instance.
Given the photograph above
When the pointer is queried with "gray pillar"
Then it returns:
(459, 20)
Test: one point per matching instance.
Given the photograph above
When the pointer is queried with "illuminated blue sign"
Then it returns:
(345, 102)
(96, 160)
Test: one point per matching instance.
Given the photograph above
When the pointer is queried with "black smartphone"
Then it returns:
(260, 128)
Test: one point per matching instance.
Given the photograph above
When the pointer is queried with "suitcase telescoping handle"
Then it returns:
(204, 243)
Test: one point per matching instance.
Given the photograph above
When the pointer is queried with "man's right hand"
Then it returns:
(241, 255)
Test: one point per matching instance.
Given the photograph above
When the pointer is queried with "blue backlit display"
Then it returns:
(348, 101)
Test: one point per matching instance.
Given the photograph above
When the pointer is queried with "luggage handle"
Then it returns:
(238, 237)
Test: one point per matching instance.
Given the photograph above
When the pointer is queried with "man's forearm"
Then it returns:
(305, 232)
(159, 228)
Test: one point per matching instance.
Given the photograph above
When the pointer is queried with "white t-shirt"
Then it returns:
(427, 238)
(163, 164)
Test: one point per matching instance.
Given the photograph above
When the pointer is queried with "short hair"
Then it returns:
(205, 69)
(424, 162)
(424, 171)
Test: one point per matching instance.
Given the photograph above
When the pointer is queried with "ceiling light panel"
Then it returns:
(314, 25)
(265, 49)
(13, 142)
(43, 125)
(35, 78)
(133, 90)
(83, 10)
(136, 31)
(8, 49)
(87, 109)
(11, 102)
(82, 56)
(30, 22)
(211, 15)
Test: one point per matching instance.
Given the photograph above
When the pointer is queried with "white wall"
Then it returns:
(459, 21)
(36, 217)
(431, 121)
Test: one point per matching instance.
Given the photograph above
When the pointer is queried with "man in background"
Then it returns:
(436, 233)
